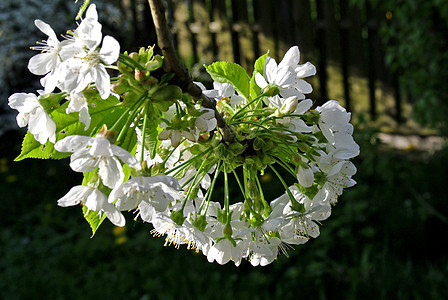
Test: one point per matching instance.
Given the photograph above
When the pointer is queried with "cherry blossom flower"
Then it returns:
(94, 200)
(32, 113)
(158, 191)
(90, 153)
(82, 62)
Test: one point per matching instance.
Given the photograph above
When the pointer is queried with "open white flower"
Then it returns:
(158, 191)
(206, 121)
(94, 200)
(31, 113)
(262, 249)
(335, 126)
(90, 153)
(46, 62)
(287, 75)
(82, 62)
(222, 91)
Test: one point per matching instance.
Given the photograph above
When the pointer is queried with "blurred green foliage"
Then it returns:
(415, 38)
(386, 239)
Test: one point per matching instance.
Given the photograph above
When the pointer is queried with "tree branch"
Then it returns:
(171, 64)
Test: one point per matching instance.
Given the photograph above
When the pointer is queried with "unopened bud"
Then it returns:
(271, 90)
(141, 75)
(290, 105)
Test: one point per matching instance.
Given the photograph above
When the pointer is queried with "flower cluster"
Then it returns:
(143, 145)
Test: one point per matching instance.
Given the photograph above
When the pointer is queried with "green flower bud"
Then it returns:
(134, 56)
(258, 144)
(271, 90)
(304, 147)
(124, 69)
(268, 146)
(236, 148)
(154, 64)
(141, 75)
(296, 159)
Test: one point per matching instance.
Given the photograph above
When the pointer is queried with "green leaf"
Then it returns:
(232, 73)
(101, 112)
(255, 90)
(259, 63)
(93, 219)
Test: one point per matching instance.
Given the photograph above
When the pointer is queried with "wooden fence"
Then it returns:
(341, 40)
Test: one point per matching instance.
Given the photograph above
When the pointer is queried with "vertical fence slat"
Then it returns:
(201, 27)
(264, 21)
(254, 28)
(322, 45)
(371, 62)
(180, 25)
(223, 36)
(344, 27)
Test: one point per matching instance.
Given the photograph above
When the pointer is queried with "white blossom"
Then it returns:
(90, 153)
(94, 200)
(31, 113)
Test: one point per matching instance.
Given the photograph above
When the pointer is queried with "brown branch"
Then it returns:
(171, 64)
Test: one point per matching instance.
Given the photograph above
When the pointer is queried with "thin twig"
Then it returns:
(171, 64)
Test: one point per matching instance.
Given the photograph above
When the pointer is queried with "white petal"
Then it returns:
(23, 102)
(74, 196)
(73, 143)
(291, 58)
(41, 64)
(114, 215)
(111, 172)
(126, 157)
(110, 50)
(260, 81)
(82, 161)
(303, 86)
(45, 28)
(305, 70)
(305, 176)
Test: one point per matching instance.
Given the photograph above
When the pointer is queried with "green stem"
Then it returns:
(188, 162)
(293, 200)
(245, 106)
(210, 189)
(265, 204)
(145, 123)
(226, 195)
